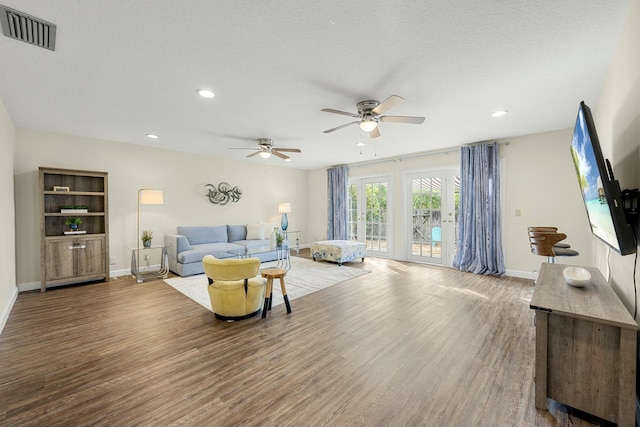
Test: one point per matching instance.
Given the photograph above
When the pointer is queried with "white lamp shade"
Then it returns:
(368, 125)
(284, 207)
(148, 196)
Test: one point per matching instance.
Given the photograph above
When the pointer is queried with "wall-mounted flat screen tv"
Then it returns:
(600, 191)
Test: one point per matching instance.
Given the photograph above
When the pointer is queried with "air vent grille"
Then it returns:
(26, 28)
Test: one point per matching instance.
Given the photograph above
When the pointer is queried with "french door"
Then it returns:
(369, 217)
(433, 199)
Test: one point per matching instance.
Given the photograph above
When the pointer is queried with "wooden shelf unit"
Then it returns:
(73, 258)
(585, 346)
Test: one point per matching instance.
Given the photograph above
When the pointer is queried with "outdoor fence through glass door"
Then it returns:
(368, 218)
(426, 196)
(434, 201)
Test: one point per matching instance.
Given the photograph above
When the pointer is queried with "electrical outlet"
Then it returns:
(146, 257)
(112, 260)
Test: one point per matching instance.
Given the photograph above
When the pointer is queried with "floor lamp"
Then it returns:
(147, 196)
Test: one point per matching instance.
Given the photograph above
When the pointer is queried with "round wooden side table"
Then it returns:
(270, 274)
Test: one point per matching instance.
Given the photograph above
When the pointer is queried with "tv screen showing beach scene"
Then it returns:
(583, 151)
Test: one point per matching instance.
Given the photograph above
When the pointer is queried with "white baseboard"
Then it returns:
(6, 310)
(522, 274)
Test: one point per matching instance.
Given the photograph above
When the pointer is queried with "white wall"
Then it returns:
(538, 179)
(617, 119)
(181, 176)
(8, 289)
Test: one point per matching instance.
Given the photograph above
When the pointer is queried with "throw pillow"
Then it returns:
(268, 228)
(255, 232)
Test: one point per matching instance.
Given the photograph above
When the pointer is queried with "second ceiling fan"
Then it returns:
(266, 149)
(369, 115)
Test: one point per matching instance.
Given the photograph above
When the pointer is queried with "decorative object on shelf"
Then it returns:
(74, 209)
(60, 189)
(147, 196)
(279, 239)
(284, 208)
(222, 194)
(73, 223)
(147, 235)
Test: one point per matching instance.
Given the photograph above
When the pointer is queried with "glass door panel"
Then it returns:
(433, 218)
(368, 214)
(376, 216)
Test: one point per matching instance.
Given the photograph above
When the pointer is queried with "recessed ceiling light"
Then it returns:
(152, 136)
(499, 113)
(360, 144)
(205, 93)
(287, 160)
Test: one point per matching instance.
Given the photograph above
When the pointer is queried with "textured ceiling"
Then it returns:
(122, 69)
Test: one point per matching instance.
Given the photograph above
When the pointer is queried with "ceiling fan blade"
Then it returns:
(253, 154)
(402, 119)
(387, 104)
(341, 126)
(282, 156)
(375, 133)
(290, 150)
(344, 113)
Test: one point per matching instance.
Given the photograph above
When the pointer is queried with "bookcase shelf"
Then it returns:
(84, 255)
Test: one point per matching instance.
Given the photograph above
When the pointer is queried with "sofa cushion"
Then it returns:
(218, 250)
(236, 232)
(198, 235)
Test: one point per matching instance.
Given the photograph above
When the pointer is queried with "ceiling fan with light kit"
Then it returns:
(266, 149)
(369, 115)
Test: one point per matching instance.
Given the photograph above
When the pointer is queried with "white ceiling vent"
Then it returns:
(29, 29)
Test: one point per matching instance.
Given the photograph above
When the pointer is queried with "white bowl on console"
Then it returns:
(576, 276)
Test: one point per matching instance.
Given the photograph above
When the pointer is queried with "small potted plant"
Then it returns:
(73, 223)
(147, 235)
(279, 239)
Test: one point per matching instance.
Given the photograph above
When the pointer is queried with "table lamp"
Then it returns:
(284, 208)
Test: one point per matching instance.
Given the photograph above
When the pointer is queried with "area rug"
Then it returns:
(305, 277)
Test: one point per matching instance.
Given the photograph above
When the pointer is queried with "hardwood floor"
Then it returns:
(407, 344)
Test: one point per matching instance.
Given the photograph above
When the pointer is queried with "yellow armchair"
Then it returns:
(235, 288)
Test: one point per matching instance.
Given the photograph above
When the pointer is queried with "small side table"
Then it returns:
(149, 255)
(270, 274)
(297, 233)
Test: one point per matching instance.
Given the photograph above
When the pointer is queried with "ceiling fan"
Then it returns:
(369, 115)
(266, 149)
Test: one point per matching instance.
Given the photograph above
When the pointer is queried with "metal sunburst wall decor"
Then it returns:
(222, 194)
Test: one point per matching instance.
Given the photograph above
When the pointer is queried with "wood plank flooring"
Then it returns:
(407, 344)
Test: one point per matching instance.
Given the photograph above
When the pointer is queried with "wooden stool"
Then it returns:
(270, 274)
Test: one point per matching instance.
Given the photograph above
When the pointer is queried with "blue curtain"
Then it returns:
(479, 223)
(337, 203)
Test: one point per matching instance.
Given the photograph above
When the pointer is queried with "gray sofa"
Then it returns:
(190, 244)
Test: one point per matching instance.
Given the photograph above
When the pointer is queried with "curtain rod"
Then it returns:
(418, 155)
